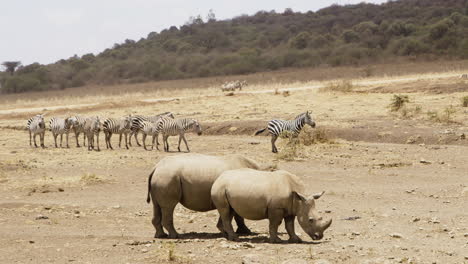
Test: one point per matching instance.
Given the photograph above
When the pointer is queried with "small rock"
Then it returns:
(423, 161)
(61, 189)
(434, 220)
(328, 211)
(41, 217)
(144, 250)
(31, 242)
(416, 219)
(116, 206)
(396, 235)
(355, 233)
(76, 211)
(248, 245)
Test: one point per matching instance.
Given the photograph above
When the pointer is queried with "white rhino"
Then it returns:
(187, 179)
(275, 196)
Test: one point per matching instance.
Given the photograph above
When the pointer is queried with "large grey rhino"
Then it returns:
(187, 179)
(275, 196)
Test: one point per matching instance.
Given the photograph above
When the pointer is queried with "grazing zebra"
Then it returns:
(92, 128)
(150, 129)
(138, 120)
(173, 127)
(116, 126)
(232, 86)
(36, 126)
(277, 127)
(78, 128)
(60, 126)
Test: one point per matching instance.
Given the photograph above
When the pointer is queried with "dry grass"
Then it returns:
(90, 179)
(465, 101)
(343, 86)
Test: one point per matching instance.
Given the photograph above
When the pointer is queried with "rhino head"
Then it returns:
(307, 216)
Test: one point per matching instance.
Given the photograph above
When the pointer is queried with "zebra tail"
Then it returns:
(260, 131)
(148, 197)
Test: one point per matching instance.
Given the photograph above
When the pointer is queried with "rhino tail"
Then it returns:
(148, 197)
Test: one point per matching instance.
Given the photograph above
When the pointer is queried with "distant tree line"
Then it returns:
(336, 35)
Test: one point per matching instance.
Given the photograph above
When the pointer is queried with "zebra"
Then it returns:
(92, 127)
(78, 128)
(232, 86)
(277, 127)
(60, 126)
(172, 127)
(150, 128)
(36, 126)
(116, 126)
(137, 124)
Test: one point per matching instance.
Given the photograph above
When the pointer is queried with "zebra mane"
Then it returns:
(301, 115)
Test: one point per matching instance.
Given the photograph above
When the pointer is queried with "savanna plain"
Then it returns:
(395, 179)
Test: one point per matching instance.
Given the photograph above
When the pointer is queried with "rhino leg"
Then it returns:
(275, 216)
(289, 223)
(226, 216)
(242, 229)
(220, 227)
(157, 220)
(168, 220)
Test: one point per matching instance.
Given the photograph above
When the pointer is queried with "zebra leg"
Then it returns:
(152, 143)
(97, 141)
(180, 139)
(166, 144)
(109, 140)
(84, 139)
(120, 140)
(130, 139)
(55, 139)
(144, 141)
(30, 138)
(41, 137)
(61, 139)
(66, 135)
(126, 140)
(185, 141)
(136, 138)
(34, 137)
(76, 137)
(273, 140)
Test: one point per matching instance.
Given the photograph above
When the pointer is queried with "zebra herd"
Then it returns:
(232, 86)
(129, 126)
(126, 126)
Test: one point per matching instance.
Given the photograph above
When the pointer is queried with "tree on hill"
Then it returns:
(10, 66)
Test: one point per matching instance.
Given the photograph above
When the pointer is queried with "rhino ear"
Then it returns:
(299, 196)
(318, 195)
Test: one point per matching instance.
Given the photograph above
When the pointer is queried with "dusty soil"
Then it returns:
(396, 186)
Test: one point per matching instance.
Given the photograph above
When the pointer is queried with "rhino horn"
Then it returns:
(326, 225)
(318, 195)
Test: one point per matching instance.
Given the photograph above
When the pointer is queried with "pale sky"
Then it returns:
(45, 31)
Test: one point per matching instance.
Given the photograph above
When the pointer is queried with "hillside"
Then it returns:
(333, 36)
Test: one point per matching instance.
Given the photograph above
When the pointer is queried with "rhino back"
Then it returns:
(189, 177)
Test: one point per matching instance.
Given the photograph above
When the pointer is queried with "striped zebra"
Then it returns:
(139, 119)
(150, 129)
(232, 86)
(78, 128)
(116, 126)
(173, 127)
(36, 126)
(92, 127)
(60, 126)
(277, 127)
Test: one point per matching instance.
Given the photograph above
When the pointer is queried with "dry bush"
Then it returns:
(445, 116)
(90, 178)
(286, 93)
(307, 137)
(465, 101)
(313, 136)
(409, 112)
(344, 86)
(398, 101)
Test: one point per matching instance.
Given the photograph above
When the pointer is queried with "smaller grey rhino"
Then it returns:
(275, 196)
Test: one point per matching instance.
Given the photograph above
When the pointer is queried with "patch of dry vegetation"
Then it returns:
(465, 101)
(294, 146)
(90, 179)
(343, 86)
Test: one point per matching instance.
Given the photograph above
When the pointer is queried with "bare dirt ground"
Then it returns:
(396, 183)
